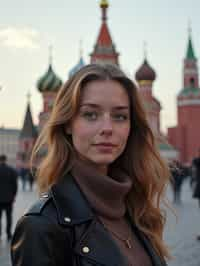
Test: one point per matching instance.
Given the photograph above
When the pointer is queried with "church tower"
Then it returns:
(104, 49)
(145, 76)
(186, 135)
(27, 139)
(48, 85)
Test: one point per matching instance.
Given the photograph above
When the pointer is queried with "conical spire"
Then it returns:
(28, 130)
(190, 51)
(104, 49)
(104, 37)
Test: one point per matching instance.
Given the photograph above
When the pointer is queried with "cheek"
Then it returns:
(82, 133)
(124, 133)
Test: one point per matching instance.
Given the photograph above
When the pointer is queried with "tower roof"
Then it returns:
(145, 72)
(77, 67)
(49, 81)
(104, 48)
(80, 63)
(190, 51)
(28, 129)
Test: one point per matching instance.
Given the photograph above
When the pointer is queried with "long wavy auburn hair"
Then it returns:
(140, 160)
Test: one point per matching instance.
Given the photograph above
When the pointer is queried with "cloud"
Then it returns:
(20, 38)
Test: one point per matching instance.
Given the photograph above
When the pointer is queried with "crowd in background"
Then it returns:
(9, 184)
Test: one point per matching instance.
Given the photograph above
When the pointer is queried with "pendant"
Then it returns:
(128, 243)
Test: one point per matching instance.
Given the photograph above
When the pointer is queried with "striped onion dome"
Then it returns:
(49, 81)
(145, 72)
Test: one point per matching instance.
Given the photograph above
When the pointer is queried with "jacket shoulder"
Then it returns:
(39, 205)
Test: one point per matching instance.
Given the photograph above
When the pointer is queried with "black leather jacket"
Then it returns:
(62, 230)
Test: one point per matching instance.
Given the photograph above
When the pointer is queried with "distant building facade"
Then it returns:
(9, 140)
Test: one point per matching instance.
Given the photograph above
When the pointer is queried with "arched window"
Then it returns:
(192, 83)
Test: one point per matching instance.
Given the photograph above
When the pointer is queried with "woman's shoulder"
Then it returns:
(40, 214)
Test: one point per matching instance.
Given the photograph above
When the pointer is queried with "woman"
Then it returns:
(102, 176)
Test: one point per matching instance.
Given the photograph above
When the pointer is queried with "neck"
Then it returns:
(101, 168)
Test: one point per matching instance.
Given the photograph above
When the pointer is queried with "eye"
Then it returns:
(90, 115)
(120, 117)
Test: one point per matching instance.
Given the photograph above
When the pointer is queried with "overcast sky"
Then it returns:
(28, 28)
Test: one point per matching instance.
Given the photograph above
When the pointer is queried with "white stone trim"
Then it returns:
(189, 102)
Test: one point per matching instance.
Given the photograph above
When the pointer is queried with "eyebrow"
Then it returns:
(93, 105)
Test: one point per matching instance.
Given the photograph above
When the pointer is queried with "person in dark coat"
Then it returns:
(8, 190)
(102, 179)
(178, 175)
(196, 166)
(30, 178)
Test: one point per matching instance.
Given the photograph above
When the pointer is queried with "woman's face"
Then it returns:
(101, 127)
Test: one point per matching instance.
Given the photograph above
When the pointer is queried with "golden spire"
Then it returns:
(104, 4)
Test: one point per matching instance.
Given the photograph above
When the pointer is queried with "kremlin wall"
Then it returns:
(181, 141)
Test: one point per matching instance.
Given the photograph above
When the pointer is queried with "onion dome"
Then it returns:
(80, 63)
(145, 72)
(77, 67)
(49, 81)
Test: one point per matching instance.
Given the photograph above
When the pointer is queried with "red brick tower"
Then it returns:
(104, 49)
(186, 135)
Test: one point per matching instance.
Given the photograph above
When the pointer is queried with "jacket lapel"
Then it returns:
(97, 246)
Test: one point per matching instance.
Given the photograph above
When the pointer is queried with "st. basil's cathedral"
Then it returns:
(181, 142)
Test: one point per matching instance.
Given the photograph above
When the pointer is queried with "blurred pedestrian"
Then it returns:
(177, 172)
(196, 165)
(23, 176)
(8, 190)
(30, 178)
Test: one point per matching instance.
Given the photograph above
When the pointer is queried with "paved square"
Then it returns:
(180, 235)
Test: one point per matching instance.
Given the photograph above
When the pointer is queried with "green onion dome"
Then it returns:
(49, 81)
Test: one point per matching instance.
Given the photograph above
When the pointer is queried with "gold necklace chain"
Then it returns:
(126, 240)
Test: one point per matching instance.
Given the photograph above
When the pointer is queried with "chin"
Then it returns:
(106, 160)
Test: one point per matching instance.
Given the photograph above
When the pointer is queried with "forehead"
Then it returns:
(106, 92)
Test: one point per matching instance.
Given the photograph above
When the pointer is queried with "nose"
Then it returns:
(106, 126)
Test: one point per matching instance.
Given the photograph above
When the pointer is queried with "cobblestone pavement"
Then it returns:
(180, 235)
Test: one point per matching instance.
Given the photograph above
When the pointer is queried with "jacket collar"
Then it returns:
(72, 206)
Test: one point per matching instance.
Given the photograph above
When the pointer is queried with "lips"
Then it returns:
(105, 144)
